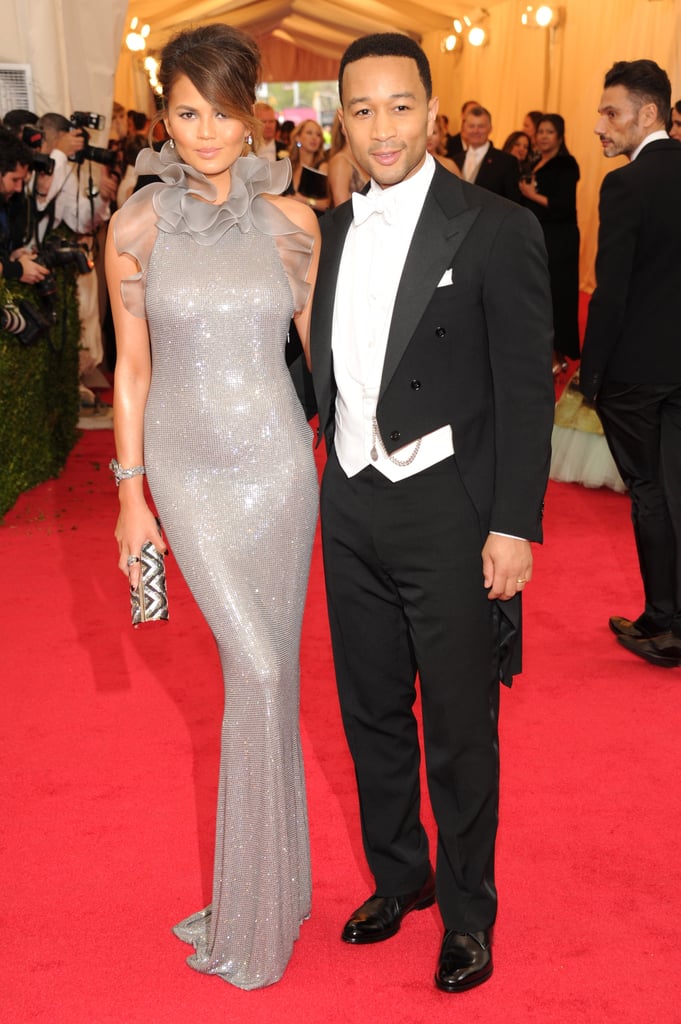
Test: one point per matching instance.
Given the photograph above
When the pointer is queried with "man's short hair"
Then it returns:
(54, 122)
(387, 44)
(18, 118)
(13, 152)
(479, 112)
(645, 81)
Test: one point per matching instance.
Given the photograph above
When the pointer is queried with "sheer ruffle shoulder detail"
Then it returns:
(175, 205)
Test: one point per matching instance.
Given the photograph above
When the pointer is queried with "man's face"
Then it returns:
(13, 181)
(622, 124)
(475, 130)
(268, 120)
(387, 117)
(675, 130)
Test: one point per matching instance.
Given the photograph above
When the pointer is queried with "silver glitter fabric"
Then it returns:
(229, 462)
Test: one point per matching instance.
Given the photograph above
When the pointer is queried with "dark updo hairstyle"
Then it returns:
(222, 63)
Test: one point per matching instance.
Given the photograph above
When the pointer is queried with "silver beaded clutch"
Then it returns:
(149, 599)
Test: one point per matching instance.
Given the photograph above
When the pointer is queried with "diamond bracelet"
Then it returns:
(125, 474)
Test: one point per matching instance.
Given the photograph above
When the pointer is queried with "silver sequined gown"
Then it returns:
(229, 460)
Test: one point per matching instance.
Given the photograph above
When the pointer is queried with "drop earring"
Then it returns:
(172, 143)
(249, 140)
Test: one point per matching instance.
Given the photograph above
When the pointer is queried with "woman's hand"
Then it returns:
(136, 525)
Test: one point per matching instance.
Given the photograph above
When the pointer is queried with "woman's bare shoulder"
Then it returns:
(301, 215)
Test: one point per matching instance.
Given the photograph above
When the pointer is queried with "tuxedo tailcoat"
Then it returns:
(403, 560)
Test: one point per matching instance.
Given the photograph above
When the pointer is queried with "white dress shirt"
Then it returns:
(362, 314)
(474, 158)
(653, 137)
(71, 206)
(267, 150)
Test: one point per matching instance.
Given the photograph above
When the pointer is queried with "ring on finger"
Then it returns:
(132, 559)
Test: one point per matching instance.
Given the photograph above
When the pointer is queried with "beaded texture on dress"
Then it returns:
(230, 466)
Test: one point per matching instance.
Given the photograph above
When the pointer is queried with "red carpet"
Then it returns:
(109, 750)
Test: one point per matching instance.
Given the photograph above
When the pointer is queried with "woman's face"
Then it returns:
(521, 147)
(206, 139)
(528, 127)
(547, 140)
(311, 138)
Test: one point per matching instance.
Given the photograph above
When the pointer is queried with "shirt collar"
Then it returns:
(412, 191)
(653, 137)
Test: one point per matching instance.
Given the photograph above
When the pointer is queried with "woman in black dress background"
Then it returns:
(551, 195)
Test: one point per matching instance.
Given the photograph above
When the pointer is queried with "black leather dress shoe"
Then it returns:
(465, 961)
(663, 650)
(381, 916)
(634, 630)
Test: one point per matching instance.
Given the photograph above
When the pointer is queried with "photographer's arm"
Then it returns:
(22, 267)
(136, 523)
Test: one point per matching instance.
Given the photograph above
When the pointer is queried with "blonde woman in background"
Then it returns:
(307, 150)
(345, 174)
(436, 146)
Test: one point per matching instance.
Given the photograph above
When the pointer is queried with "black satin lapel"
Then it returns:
(436, 241)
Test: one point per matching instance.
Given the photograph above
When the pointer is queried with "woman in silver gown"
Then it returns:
(205, 269)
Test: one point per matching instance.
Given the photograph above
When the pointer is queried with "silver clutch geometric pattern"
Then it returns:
(149, 600)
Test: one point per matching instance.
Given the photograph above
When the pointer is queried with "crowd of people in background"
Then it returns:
(533, 167)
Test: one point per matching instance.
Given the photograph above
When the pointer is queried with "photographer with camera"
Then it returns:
(67, 143)
(61, 200)
(16, 262)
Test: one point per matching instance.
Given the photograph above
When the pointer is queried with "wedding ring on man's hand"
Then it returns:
(523, 580)
(133, 558)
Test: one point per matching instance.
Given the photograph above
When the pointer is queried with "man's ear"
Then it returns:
(648, 115)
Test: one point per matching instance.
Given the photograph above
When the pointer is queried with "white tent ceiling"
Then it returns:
(321, 26)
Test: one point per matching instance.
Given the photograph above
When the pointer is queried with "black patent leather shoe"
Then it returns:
(664, 650)
(465, 961)
(381, 916)
(634, 630)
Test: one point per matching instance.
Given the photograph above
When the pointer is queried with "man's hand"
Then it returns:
(108, 185)
(32, 272)
(70, 142)
(506, 566)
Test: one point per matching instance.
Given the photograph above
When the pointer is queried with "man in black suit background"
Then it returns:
(431, 356)
(631, 358)
(481, 162)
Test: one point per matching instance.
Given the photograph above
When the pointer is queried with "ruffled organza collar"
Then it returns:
(189, 204)
(173, 205)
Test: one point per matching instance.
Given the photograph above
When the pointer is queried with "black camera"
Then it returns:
(57, 253)
(42, 163)
(25, 321)
(95, 122)
(86, 119)
(31, 136)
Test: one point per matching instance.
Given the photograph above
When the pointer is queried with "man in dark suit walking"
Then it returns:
(431, 357)
(481, 162)
(631, 358)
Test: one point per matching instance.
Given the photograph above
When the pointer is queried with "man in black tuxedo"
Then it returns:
(431, 356)
(631, 358)
(481, 162)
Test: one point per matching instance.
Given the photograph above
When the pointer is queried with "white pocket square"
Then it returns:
(445, 279)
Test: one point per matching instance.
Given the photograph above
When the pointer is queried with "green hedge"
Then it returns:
(39, 398)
